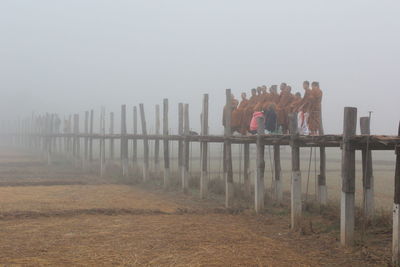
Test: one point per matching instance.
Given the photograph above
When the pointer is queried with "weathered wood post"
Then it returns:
(91, 133)
(124, 143)
(396, 210)
(348, 177)
(259, 187)
(76, 141)
(50, 119)
(180, 142)
(368, 177)
(134, 142)
(145, 144)
(229, 186)
(111, 131)
(277, 182)
(166, 144)
(204, 149)
(295, 192)
(246, 170)
(86, 140)
(186, 144)
(157, 141)
(322, 193)
(102, 142)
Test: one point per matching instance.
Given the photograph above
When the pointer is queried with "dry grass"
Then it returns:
(99, 223)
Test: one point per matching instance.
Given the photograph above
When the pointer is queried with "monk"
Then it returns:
(234, 105)
(307, 93)
(248, 113)
(238, 115)
(274, 94)
(262, 99)
(296, 103)
(286, 98)
(314, 107)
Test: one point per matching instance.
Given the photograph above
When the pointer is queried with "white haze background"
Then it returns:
(70, 56)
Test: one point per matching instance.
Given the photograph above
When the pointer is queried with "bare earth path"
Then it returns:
(58, 216)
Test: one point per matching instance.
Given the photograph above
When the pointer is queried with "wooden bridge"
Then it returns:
(46, 136)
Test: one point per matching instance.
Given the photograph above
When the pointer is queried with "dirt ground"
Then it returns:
(59, 216)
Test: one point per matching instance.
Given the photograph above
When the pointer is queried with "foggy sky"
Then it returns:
(70, 56)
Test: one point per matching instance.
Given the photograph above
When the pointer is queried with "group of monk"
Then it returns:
(282, 104)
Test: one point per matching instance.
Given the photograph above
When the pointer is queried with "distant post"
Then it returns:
(229, 187)
(322, 193)
(396, 210)
(185, 159)
(102, 142)
(296, 205)
(91, 133)
(204, 149)
(157, 141)
(135, 132)
(277, 184)
(259, 187)
(145, 144)
(348, 178)
(124, 142)
(111, 131)
(86, 140)
(166, 144)
(180, 142)
(368, 177)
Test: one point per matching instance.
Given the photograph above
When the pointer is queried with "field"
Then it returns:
(61, 216)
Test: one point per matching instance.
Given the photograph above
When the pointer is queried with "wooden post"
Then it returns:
(368, 177)
(91, 133)
(124, 143)
(185, 155)
(259, 187)
(396, 210)
(145, 144)
(204, 149)
(86, 140)
(157, 142)
(180, 142)
(102, 142)
(295, 192)
(246, 170)
(229, 187)
(166, 144)
(49, 139)
(76, 140)
(135, 132)
(322, 193)
(111, 130)
(348, 178)
(277, 182)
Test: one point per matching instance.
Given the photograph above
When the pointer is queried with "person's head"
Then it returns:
(253, 92)
(298, 95)
(288, 88)
(259, 90)
(306, 85)
(315, 85)
(243, 95)
(264, 89)
(273, 88)
(282, 86)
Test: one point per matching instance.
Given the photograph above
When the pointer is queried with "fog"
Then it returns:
(71, 56)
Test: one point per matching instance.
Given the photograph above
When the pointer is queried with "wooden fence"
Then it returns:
(47, 135)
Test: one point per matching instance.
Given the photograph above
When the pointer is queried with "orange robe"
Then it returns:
(314, 107)
(238, 115)
(283, 109)
(233, 107)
